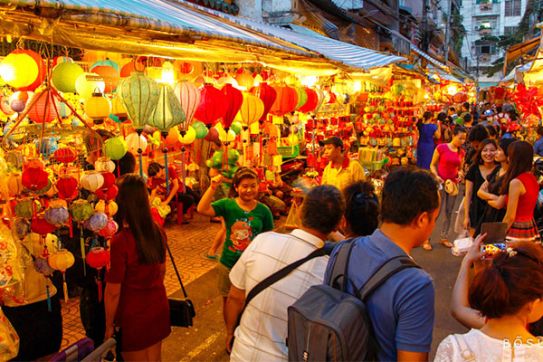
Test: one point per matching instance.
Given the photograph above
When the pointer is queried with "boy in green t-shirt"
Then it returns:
(243, 215)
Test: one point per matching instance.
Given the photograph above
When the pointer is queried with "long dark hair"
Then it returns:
(521, 158)
(135, 210)
(478, 158)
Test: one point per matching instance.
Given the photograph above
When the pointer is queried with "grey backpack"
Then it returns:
(328, 324)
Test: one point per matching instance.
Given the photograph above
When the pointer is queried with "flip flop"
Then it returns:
(446, 243)
(427, 247)
(210, 257)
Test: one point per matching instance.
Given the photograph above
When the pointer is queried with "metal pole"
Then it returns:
(448, 30)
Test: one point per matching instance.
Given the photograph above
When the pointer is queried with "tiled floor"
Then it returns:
(188, 243)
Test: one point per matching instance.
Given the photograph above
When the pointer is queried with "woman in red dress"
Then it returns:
(135, 297)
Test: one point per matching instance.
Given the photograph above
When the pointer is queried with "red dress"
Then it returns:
(524, 227)
(143, 313)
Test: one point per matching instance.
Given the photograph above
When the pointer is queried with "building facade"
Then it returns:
(485, 21)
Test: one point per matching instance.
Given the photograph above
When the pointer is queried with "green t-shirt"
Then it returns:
(241, 227)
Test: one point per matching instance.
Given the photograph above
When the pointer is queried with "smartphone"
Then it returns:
(495, 232)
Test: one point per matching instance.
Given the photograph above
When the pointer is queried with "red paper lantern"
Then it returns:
(287, 99)
(312, 101)
(110, 75)
(107, 194)
(127, 69)
(109, 180)
(109, 230)
(98, 258)
(268, 95)
(234, 99)
(65, 155)
(40, 226)
(212, 107)
(35, 178)
(45, 109)
(41, 68)
(67, 188)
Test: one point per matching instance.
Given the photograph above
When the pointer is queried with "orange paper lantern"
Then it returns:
(287, 99)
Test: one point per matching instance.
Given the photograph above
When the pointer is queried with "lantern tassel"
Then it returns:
(48, 293)
(65, 287)
(140, 158)
(99, 283)
(166, 171)
(82, 246)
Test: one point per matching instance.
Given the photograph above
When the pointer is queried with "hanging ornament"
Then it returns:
(302, 97)
(200, 129)
(57, 216)
(26, 208)
(65, 155)
(107, 194)
(168, 112)
(115, 148)
(65, 75)
(98, 258)
(109, 71)
(252, 109)
(97, 107)
(91, 180)
(189, 98)
(135, 142)
(212, 107)
(44, 107)
(97, 222)
(34, 178)
(109, 230)
(245, 79)
(188, 136)
(140, 96)
(104, 164)
(61, 261)
(18, 100)
(67, 187)
(311, 103)
(40, 226)
(268, 95)
(286, 101)
(224, 135)
(234, 99)
(19, 70)
(88, 83)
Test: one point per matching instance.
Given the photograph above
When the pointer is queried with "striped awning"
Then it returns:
(432, 60)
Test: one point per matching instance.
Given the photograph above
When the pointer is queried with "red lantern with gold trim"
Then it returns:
(234, 99)
(212, 107)
(67, 187)
(268, 95)
(35, 178)
(65, 155)
(287, 99)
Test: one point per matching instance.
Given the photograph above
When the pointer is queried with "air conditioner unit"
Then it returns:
(485, 7)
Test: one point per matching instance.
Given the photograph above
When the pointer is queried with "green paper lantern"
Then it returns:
(25, 208)
(201, 129)
(168, 112)
(81, 210)
(236, 127)
(115, 148)
(302, 97)
(64, 76)
(140, 95)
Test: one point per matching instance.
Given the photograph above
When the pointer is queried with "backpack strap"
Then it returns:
(383, 273)
(339, 272)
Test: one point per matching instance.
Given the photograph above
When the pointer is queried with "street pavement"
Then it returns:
(205, 341)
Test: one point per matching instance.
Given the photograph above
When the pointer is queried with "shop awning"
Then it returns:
(347, 54)
(430, 59)
(516, 51)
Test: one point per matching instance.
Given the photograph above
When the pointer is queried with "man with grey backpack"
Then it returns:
(376, 303)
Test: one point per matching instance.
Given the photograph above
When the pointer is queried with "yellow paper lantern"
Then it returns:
(87, 83)
(97, 107)
(254, 128)
(188, 136)
(223, 135)
(61, 260)
(252, 109)
(19, 70)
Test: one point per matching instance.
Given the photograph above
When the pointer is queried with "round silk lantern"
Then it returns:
(111, 208)
(109, 74)
(135, 142)
(252, 108)
(201, 129)
(26, 208)
(212, 107)
(20, 228)
(14, 184)
(81, 210)
(98, 257)
(59, 60)
(245, 79)
(128, 69)
(172, 139)
(91, 180)
(189, 98)
(67, 187)
(188, 136)
(88, 83)
(311, 103)
(65, 155)
(45, 108)
(109, 179)
(58, 203)
(302, 97)
(40, 226)
(118, 110)
(19, 70)
(41, 68)
(212, 135)
(115, 148)
(140, 95)
(109, 230)
(225, 136)
(17, 101)
(234, 99)
(107, 194)
(168, 112)
(287, 99)
(65, 75)
(5, 106)
(34, 178)
(57, 216)
(97, 222)
(97, 107)
(236, 127)
(104, 164)
(268, 95)
(61, 260)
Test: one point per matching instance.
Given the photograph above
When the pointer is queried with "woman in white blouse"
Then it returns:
(507, 293)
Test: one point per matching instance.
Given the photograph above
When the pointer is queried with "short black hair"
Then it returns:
(467, 118)
(492, 131)
(459, 129)
(407, 193)
(127, 164)
(478, 133)
(323, 208)
(361, 208)
(466, 105)
(442, 117)
(452, 109)
(154, 168)
(540, 130)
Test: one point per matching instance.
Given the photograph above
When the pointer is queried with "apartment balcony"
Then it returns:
(485, 31)
(488, 9)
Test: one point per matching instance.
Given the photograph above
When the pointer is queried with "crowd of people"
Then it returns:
(498, 293)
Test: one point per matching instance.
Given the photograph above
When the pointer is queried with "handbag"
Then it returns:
(451, 187)
(181, 310)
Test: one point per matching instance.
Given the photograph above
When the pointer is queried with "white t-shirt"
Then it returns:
(477, 346)
(262, 333)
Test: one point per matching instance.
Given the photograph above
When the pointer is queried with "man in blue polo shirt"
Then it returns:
(402, 309)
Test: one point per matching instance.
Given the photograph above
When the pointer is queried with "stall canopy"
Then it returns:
(430, 59)
(180, 29)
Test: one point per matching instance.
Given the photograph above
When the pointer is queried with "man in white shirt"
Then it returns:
(340, 171)
(262, 333)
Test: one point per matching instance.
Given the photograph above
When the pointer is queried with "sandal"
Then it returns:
(446, 243)
(427, 246)
(210, 256)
